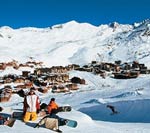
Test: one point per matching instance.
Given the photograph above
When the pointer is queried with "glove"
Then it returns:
(37, 111)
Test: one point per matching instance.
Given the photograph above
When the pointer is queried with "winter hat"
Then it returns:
(32, 89)
(52, 99)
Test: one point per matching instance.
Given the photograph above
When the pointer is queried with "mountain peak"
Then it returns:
(114, 25)
(6, 28)
(73, 22)
(67, 24)
(145, 23)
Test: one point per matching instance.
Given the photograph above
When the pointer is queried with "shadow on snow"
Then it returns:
(129, 111)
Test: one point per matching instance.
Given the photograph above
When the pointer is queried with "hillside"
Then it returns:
(77, 43)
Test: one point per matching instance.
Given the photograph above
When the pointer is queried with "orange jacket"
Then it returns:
(52, 105)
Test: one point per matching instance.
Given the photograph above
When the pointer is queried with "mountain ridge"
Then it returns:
(77, 43)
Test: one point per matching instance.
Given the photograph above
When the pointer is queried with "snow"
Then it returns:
(80, 43)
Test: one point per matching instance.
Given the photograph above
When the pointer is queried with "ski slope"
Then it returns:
(89, 106)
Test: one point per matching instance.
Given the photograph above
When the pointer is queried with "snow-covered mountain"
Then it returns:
(78, 43)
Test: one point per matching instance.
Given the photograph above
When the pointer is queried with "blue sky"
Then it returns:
(45, 13)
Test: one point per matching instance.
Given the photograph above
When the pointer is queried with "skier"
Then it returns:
(31, 106)
(112, 109)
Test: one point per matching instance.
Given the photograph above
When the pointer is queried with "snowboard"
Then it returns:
(17, 114)
(67, 108)
(70, 123)
(114, 113)
(64, 109)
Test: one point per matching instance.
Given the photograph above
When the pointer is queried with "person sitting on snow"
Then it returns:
(52, 106)
(31, 106)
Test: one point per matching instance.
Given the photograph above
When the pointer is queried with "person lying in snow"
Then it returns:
(52, 122)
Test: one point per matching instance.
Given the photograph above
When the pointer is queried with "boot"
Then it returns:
(59, 131)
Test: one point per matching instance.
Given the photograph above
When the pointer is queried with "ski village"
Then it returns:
(75, 78)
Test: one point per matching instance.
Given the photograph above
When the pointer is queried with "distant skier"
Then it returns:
(112, 109)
